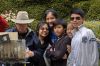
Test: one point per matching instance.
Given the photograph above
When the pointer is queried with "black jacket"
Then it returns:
(60, 50)
(38, 50)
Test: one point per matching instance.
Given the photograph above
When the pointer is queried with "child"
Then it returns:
(58, 50)
(69, 31)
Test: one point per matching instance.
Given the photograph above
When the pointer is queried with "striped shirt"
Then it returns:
(84, 48)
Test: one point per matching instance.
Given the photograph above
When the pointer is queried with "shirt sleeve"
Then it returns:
(88, 50)
(94, 54)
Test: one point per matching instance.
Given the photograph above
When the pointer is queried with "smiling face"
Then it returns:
(69, 30)
(58, 30)
(76, 20)
(50, 18)
(43, 30)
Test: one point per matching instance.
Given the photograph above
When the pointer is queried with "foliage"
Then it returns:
(94, 10)
(63, 7)
(36, 8)
(95, 26)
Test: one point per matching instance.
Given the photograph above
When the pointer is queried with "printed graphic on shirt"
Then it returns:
(84, 39)
(92, 39)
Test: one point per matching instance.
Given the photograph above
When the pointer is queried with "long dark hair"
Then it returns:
(54, 13)
(41, 23)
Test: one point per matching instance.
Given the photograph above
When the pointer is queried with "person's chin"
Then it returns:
(69, 35)
(44, 35)
(22, 32)
(51, 25)
(75, 26)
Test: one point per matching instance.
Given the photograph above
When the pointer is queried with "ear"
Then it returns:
(83, 20)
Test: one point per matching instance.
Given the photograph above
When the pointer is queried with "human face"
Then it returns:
(69, 30)
(58, 30)
(22, 28)
(43, 31)
(76, 20)
(50, 18)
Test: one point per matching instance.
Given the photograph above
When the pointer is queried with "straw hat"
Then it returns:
(22, 18)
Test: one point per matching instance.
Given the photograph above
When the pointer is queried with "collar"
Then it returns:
(77, 29)
(29, 30)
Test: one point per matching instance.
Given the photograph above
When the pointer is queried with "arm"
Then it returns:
(95, 54)
(88, 51)
(60, 50)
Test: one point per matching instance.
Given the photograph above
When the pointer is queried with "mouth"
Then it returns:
(44, 33)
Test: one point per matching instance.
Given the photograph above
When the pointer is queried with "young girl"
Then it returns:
(58, 50)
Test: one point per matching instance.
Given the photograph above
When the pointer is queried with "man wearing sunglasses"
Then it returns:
(84, 46)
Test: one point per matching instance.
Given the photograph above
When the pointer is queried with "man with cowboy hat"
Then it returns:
(24, 32)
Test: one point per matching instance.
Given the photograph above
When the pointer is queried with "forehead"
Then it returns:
(58, 25)
(43, 25)
(69, 25)
(75, 15)
(50, 14)
(21, 24)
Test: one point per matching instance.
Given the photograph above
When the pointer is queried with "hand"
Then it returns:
(51, 49)
(29, 54)
(65, 56)
(68, 48)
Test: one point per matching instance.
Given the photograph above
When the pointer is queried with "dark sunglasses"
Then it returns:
(77, 18)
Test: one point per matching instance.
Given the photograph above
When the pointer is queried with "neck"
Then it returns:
(41, 39)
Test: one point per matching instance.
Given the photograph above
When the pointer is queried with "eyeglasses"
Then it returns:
(77, 18)
(44, 28)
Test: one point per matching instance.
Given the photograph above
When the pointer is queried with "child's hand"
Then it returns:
(51, 49)
(68, 48)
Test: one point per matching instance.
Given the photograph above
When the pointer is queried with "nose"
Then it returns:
(68, 31)
(74, 19)
(50, 20)
(44, 30)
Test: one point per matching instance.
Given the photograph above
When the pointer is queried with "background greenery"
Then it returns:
(36, 8)
(63, 7)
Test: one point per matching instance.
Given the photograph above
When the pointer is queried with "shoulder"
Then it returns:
(87, 31)
(65, 37)
(30, 32)
(11, 30)
(34, 36)
(66, 40)
(89, 35)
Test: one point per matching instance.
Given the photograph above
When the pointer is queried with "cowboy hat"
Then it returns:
(22, 18)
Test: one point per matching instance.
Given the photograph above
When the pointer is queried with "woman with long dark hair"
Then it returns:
(50, 16)
(41, 42)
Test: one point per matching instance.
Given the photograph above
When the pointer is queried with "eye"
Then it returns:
(77, 18)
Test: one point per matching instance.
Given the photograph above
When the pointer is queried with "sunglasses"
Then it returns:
(77, 18)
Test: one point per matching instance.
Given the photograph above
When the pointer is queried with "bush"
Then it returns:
(95, 26)
(94, 10)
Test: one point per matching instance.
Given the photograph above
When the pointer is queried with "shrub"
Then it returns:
(95, 26)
